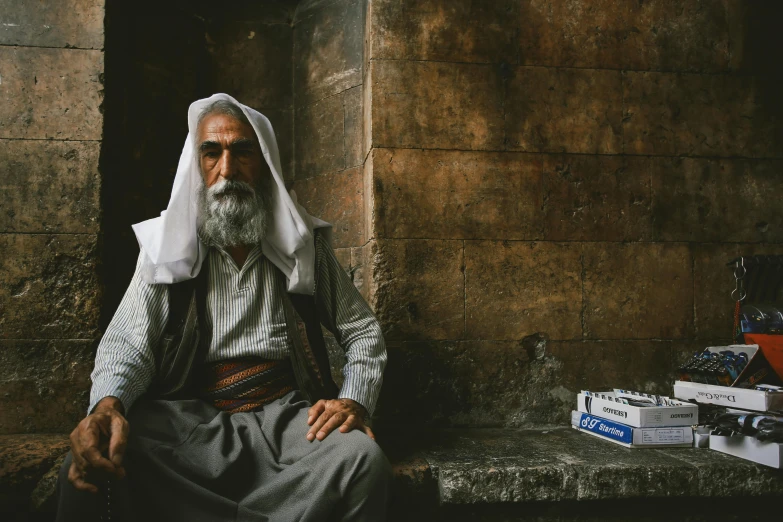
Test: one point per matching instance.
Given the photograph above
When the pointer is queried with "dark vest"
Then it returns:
(184, 341)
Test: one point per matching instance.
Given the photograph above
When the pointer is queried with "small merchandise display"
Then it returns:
(635, 420)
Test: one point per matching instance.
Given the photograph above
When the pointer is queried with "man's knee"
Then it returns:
(369, 457)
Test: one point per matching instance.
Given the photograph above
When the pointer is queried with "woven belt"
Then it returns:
(246, 384)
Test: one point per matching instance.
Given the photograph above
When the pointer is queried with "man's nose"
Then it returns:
(227, 165)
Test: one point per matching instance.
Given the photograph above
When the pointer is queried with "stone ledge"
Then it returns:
(482, 474)
(490, 466)
(25, 462)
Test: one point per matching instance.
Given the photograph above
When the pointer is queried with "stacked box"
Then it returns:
(635, 420)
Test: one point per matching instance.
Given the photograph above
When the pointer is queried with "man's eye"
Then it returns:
(211, 154)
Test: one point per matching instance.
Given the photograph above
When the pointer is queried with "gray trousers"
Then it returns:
(187, 460)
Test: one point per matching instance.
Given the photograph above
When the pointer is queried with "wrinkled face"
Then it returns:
(234, 200)
(228, 149)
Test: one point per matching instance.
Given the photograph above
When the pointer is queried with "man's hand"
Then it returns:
(105, 428)
(325, 416)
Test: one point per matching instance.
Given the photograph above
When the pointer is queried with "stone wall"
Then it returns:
(327, 90)
(556, 187)
(51, 127)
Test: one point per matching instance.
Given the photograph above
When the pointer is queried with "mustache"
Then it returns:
(231, 187)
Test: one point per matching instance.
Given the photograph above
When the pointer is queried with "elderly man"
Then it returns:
(211, 385)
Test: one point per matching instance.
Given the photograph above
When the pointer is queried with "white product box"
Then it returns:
(740, 398)
(675, 437)
(609, 406)
(749, 448)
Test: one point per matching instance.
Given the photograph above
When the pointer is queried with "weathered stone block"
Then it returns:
(478, 383)
(24, 459)
(564, 110)
(328, 49)
(713, 305)
(646, 366)
(418, 288)
(717, 200)
(638, 291)
(700, 115)
(319, 138)
(252, 61)
(515, 289)
(338, 199)
(436, 105)
(515, 384)
(49, 287)
(361, 269)
(49, 186)
(344, 258)
(457, 194)
(44, 384)
(668, 35)
(353, 125)
(596, 198)
(66, 23)
(449, 31)
(283, 123)
(51, 93)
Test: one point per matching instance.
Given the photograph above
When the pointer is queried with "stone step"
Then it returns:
(494, 474)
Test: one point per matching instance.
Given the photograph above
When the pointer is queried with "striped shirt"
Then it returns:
(245, 315)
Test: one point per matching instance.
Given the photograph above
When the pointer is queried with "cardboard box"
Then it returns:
(630, 437)
(749, 448)
(610, 407)
(740, 398)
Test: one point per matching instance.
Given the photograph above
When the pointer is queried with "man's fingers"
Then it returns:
(97, 461)
(366, 429)
(76, 478)
(118, 441)
(334, 421)
(349, 424)
(315, 410)
(320, 421)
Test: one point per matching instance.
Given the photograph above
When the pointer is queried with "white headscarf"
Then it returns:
(173, 251)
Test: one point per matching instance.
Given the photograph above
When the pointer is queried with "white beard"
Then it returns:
(233, 213)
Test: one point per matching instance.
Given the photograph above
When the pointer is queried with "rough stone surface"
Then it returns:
(450, 31)
(562, 464)
(700, 115)
(24, 459)
(51, 93)
(418, 288)
(661, 35)
(338, 199)
(66, 23)
(328, 49)
(717, 200)
(282, 121)
(515, 289)
(638, 291)
(563, 110)
(477, 383)
(49, 186)
(44, 384)
(603, 198)
(319, 138)
(436, 105)
(353, 127)
(457, 194)
(252, 61)
(361, 269)
(49, 287)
